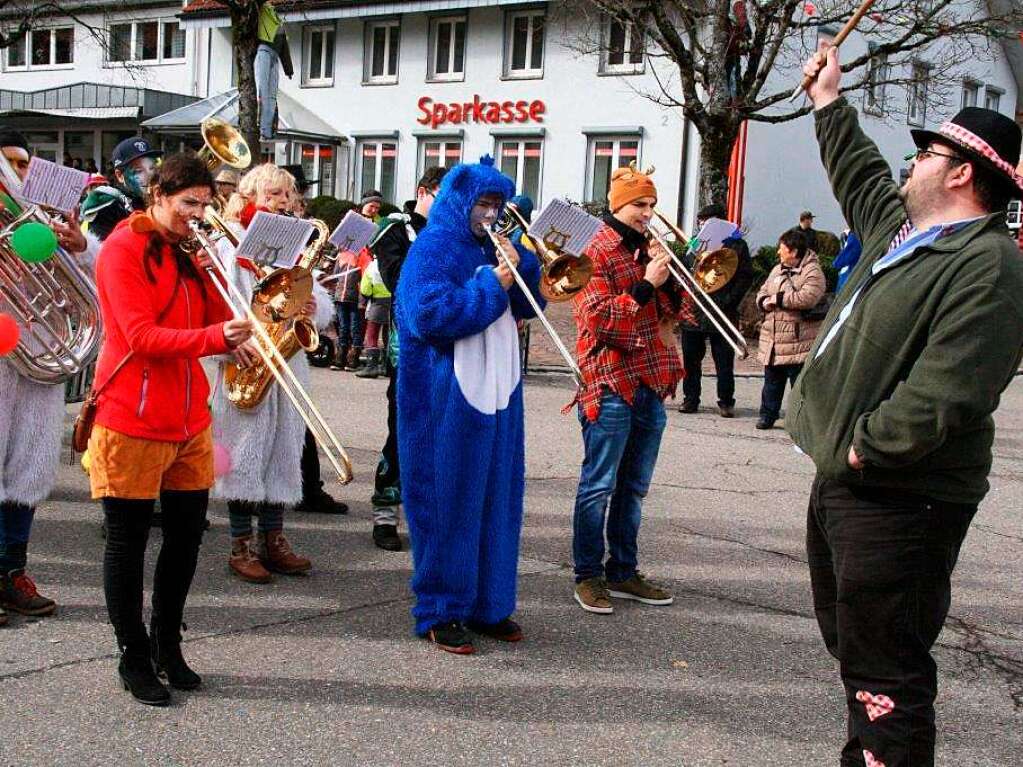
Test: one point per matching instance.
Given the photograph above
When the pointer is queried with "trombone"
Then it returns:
(273, 359)
(562, 349)
(691, 283)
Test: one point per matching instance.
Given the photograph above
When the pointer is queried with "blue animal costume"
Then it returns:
(460, 419)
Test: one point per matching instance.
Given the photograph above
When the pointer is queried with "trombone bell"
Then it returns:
(714, 270)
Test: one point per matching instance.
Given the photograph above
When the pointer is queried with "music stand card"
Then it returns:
(353, 233)
(54, 186)
(713, 234)
(566, 227)
(273, 240)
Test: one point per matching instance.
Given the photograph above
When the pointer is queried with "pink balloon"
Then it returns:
(221, 460)
(9, 333)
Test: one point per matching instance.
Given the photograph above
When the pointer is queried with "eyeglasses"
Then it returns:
(922, 154)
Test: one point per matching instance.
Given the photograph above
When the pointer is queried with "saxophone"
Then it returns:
(277, 301)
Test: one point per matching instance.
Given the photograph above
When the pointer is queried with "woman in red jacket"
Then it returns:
(152, 432)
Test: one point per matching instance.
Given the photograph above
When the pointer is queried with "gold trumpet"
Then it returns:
(562, 275)
(270, 355)
(693, 283)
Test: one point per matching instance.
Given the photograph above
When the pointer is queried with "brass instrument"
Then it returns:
(562, 349)
(693, 283)
(54, 301)
(277, 302)
(223, 145)
(562, 275)
(271, 356)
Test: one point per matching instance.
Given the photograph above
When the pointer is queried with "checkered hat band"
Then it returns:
(971, 140)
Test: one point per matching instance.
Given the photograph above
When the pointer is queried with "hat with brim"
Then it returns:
(983, 136)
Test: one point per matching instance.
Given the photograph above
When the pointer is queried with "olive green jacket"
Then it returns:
(916, 371)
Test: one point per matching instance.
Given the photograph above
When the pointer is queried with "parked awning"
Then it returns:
(294, 121)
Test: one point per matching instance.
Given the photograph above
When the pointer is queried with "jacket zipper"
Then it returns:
(142, 394)
(188, 362)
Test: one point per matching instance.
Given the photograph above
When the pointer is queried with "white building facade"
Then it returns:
(406, 85)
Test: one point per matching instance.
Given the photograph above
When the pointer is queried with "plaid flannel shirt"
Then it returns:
(619, 346)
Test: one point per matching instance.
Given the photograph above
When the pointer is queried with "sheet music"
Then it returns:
(353, 233)
(566, 227)
(54, 186)
(274, 240)
(713, 233)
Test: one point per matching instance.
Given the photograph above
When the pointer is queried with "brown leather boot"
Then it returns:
(276, 555)
(354, 363)
(245, 564)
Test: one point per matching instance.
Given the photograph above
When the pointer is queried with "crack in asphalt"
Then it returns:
(296, 620)
(744, 544)
(992, 531)
(985, 659)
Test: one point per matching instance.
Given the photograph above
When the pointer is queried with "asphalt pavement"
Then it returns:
(325, 670)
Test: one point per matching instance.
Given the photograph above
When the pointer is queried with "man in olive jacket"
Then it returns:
(895, 404)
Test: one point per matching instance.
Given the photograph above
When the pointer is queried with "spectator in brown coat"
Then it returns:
(795, 284)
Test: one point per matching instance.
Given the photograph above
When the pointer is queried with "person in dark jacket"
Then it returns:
(895, 403)
(134, 162)
(806, 226)
(391, 245)
(697, 330)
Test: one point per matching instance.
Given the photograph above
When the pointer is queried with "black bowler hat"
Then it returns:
(984, 135)
(301, 182)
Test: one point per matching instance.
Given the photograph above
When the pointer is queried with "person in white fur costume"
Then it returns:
(31, 421)
(264, 443)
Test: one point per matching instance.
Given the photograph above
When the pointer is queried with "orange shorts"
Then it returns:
(121, 466)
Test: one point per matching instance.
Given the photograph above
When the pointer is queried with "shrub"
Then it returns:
(329, 209)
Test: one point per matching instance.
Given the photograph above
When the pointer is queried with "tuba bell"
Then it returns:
(53, 300)
(223, 144)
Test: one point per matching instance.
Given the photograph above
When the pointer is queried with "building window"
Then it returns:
(877, 73)
(523, 49)
(447, 48)
(376, 164)
(916, 113)
(606, 154)
(622, 51)
(42, 48)
(443, 154)
(971, 93)
(992, 98)
(520, 160)
(173, 41)
(318, 162)
(146, 42)
(318, 55)
(381, 60)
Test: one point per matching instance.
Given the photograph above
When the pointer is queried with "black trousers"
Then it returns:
(771, 396)
(310, 465)
(387, 482)
(880, 568)
(183, 514)
(694, 348)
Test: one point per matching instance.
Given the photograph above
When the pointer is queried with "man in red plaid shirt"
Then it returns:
(629, 362)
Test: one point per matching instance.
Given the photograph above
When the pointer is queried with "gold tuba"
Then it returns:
(277, 302)
(561, 274)
(223, 145)
(53, 301)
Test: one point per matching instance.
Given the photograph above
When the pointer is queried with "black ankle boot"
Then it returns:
(139, 678)
(170, 663)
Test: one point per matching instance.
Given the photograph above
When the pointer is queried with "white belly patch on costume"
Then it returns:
(487, 365)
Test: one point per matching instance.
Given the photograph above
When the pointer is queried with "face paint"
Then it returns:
(138, 174)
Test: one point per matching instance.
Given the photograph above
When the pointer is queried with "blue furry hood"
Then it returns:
(462, 186)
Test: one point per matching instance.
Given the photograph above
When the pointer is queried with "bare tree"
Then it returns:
(737, 60)
(19, 17)
(245, 40)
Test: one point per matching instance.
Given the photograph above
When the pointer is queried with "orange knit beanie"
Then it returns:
(628, 185)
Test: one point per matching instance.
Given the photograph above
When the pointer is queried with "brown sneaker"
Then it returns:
(591, 594)
(726, 411)
(275, 553)
(245, 564)
(640, 589)
(18, 594)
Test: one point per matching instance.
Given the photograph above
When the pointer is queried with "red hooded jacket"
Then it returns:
(161, 393)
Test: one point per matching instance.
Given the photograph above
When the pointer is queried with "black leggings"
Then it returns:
(184, 514)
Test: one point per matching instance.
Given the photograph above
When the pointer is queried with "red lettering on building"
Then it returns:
(479, 111)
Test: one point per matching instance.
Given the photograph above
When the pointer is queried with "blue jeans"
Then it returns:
(349, 324)
(621, 452)
(15, 528)
(267, 74)
(771, 396)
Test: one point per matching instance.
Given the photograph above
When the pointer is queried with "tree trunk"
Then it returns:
(715, 155)
(245, 39)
